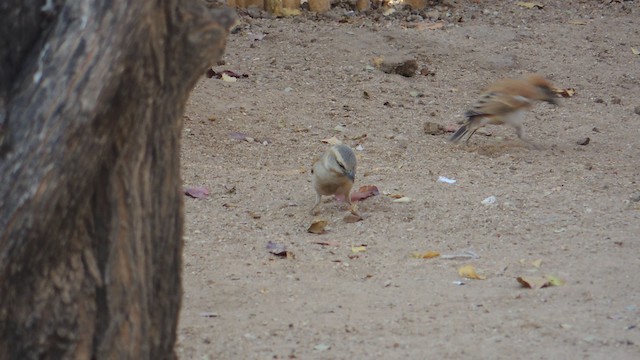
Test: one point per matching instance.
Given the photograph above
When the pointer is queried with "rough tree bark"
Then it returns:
(92, 94)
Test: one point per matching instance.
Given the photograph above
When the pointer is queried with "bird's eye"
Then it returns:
(341, 166)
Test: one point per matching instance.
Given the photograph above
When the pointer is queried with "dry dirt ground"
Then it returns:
(574, 207)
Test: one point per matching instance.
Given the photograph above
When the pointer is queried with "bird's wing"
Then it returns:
(315, 162)
(496, 104)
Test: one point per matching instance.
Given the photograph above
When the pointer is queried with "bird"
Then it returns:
(506, 102)
(334, 174)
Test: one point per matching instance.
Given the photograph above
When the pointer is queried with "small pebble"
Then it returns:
(584, 141)
(434, 14)
(431, 128)
(489, 201)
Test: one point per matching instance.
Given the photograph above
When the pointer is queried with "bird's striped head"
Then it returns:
(345, 160)
(544, 89)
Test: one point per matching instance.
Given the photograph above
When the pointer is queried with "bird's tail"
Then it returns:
(473, 120)
(464, 129)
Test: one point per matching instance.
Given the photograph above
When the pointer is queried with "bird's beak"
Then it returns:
(351, 175)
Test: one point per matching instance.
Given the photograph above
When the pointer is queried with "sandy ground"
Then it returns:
(574, 208)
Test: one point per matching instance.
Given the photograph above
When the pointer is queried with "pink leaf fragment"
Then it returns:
(197, 192)
(365, 192)
(238, 135)
(451, 128)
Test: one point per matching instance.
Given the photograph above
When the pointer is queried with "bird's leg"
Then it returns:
(342, 199)
(470, 135)
(314, 210)
(474, 125)
(520, 133)
(353, 208)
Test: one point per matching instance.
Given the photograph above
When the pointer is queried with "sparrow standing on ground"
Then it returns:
(506, 102)
(334, 174)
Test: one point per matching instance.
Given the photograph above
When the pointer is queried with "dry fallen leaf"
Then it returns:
(332, 141)
(377, 61)
(538, 282)
(228, 78)
(369, 188)
(364, 192)
(318, 227)
(426, 72)
(469, 272)
(635, 51)
(536, 263)
(234, 74)
(529, 5)
(352, 218)
(533, 282)
(221, 75)
(554, 280)
(565, 93)
(425, 255)
(197, 192)
(359, 248)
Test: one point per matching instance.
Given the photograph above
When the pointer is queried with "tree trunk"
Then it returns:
(91, 101)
